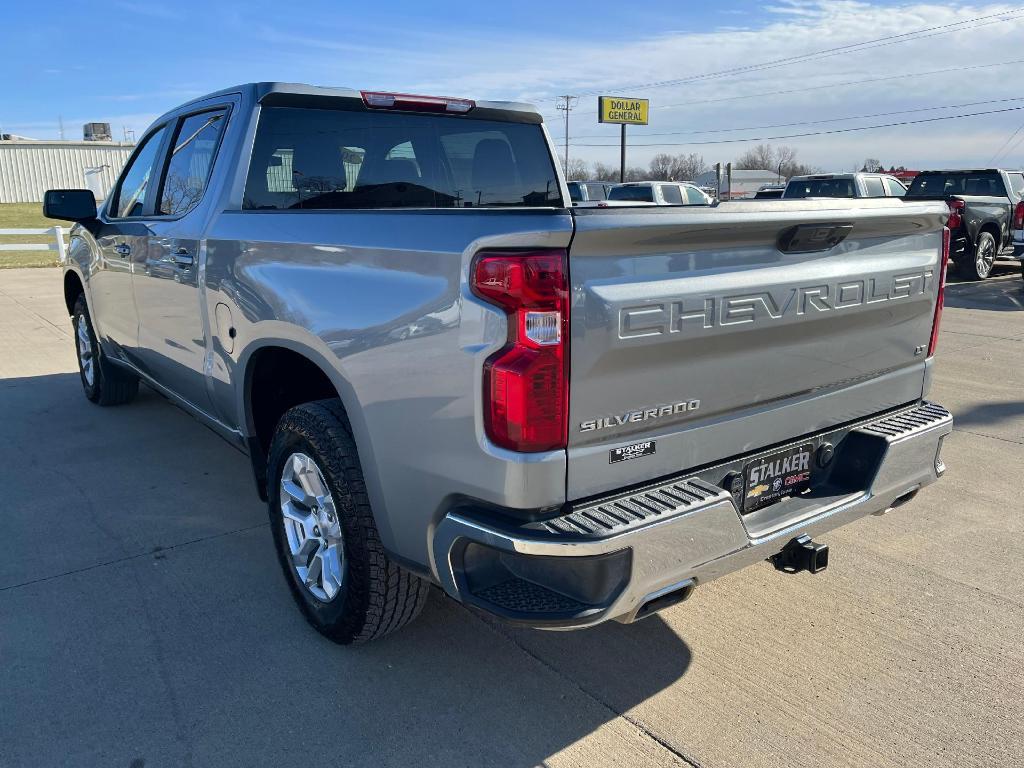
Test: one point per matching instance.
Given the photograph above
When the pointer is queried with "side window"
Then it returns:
(191, 162)
(131, 192)
(671, 194)
(895, 188)
(873, 186)
(596, 191)
(695, 196)
(1017, 183)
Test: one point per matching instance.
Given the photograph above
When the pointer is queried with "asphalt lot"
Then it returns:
(144, 622)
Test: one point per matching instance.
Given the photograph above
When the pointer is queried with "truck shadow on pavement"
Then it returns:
(144, 621)
(1003, 292)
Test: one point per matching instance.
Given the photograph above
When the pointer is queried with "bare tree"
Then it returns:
(635, 174)
(688, 167)
(577, 169)
(602, 172)
(781, 160)
(759, 158)
(662, 167)
(872, 165)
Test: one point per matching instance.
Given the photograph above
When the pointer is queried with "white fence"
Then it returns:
(57, 245)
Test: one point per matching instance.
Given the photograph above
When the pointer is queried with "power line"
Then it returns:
(817, 133)
(844, 84)
(879, 42)
(1013, 147)
(816, 122)
(762, 94)
(1006, 143)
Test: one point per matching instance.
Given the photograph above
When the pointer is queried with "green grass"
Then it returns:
(26, 216)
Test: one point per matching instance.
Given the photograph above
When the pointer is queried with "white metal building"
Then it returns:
(29, 168)
(744, 183)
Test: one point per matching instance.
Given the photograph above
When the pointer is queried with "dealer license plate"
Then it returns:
(776, 476)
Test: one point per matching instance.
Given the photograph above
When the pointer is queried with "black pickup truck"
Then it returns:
(986, 206)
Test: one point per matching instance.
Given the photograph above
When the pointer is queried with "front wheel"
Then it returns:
(324, 531)
(979, 265)
(102, 381)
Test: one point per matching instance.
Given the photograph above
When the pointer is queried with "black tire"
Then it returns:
(969, 266)
(110, 385)
(376, 596)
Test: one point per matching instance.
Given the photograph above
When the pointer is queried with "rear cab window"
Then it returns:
(820, 188)
(636, 194)
(336, 159)
(954, 183)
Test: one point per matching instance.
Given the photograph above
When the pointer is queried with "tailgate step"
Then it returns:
(904, 424)
(612, 516)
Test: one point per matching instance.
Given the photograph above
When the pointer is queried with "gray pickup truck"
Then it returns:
(444, 374)
(986, 211)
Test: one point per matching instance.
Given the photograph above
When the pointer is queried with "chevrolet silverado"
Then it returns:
(442, 373)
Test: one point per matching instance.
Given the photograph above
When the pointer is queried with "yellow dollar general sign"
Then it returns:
(619, 109)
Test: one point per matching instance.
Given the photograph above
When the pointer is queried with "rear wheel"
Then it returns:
(324, 531)
(978, 265)
(103, 382)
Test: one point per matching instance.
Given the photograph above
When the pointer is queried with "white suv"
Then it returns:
(659, 193)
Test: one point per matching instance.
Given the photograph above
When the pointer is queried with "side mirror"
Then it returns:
(69, 204)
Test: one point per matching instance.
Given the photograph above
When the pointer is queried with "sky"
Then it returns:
(127, 61)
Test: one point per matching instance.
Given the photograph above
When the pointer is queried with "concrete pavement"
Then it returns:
(144, 622)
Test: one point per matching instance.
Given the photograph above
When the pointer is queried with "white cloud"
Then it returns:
(537, 64)
(531, 70)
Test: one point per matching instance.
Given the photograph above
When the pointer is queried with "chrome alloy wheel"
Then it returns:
(985, 257)
(86, 355)
(312, 527)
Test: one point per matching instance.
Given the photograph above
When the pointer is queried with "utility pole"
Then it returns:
(567, 104)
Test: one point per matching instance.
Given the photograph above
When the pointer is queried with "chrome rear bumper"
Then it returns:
(611, 557)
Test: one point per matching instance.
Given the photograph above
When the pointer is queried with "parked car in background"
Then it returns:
(660, 193)
(770, 192)
(589, 191)
(844, 185)
(986, 214)
(444, 373)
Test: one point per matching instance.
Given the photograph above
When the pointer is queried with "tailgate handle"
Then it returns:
(807, 238)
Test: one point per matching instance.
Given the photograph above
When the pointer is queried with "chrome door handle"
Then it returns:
(182, 258)
(121, 249)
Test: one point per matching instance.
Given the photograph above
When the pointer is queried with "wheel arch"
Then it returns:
(992, 227)
(74, 286)
(264, 395)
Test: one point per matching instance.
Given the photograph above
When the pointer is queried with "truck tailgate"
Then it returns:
(716, 332)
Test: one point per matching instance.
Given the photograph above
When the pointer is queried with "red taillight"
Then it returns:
(956, 213)
(525, 382)
(1018, 216)
(940, 299)
(411, 102)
